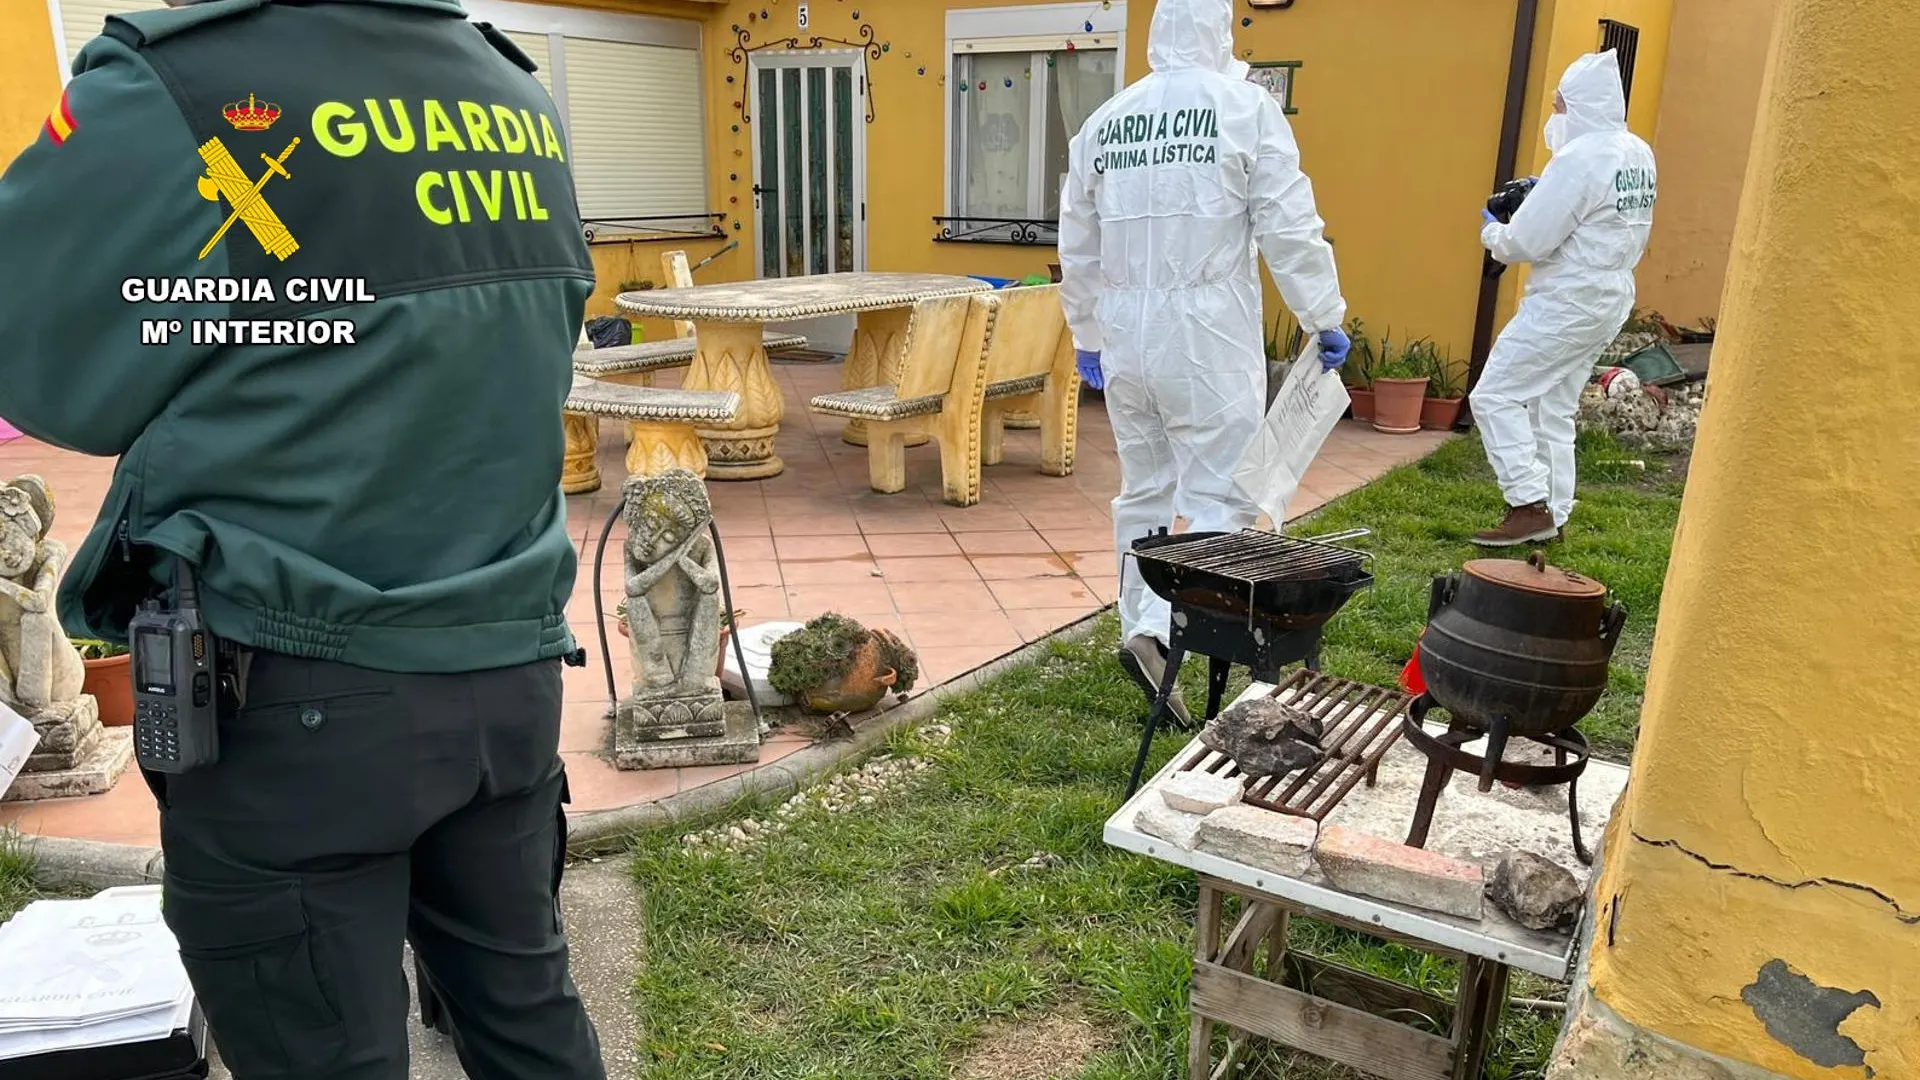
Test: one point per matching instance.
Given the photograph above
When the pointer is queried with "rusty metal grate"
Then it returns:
(1361, 722)
(1255, 556)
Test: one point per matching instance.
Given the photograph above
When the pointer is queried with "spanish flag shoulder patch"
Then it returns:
(61, 124)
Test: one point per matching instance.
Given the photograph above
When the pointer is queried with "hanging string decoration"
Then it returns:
(743, 47)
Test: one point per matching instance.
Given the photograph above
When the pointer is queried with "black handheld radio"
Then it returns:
(176, 710)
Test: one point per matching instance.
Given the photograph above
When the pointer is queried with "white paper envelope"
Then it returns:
(1309, 404)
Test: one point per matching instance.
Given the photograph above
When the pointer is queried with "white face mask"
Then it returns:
(1556, 132)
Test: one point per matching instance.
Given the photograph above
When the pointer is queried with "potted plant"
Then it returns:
(1445, 394)
(727, 622)
(1399, 392)
(835, 665)
(109, 680)
(1362, 360)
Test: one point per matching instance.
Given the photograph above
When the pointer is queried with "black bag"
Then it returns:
(609, 331)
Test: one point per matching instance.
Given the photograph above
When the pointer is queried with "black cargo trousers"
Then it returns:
(351, 809)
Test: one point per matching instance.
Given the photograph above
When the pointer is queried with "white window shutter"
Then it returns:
(536, 48)
(634, 120)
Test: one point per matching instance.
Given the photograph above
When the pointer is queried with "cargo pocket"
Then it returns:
(249, 951)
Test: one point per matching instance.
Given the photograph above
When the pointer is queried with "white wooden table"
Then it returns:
(729, 351)
(1343, 1026)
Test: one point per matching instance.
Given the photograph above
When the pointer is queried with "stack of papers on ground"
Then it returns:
(80, 974)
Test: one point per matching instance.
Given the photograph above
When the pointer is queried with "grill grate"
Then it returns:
(1361, 722)
(1252, 556)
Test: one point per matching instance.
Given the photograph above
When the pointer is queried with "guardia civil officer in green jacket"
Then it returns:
(313, 271)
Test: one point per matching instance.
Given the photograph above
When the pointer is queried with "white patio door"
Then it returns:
(809, 162)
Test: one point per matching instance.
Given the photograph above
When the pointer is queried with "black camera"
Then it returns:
(176, 699)
(1506, 199)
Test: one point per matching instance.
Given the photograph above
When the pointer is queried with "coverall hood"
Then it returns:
(1595, 99)
(1192, 34)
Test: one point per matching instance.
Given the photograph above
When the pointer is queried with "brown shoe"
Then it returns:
(1531, 524)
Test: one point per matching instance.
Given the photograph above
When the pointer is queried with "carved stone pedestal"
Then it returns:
(580, 474)
(76, 755)
(640, 744)
(666, 719)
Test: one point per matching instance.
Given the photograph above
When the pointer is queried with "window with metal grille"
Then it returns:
(1624, 40)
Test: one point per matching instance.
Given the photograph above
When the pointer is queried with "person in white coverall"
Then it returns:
(1171, 186)
(1583, 227)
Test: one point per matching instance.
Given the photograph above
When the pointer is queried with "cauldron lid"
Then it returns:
(1534, 575)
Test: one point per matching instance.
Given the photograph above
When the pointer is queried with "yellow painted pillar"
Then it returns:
(29, 75)
(1761, 893)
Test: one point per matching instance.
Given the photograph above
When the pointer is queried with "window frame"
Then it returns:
(557, 24)
(1033, 29)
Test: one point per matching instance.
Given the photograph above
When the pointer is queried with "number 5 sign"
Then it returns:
(803, 16)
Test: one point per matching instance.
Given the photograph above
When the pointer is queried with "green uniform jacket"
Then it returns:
(392, 502)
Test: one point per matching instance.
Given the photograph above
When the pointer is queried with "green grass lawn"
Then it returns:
(899, 938)
(17, 888)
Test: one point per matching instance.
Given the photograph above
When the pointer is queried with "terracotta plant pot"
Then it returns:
(1397, 404)
(1362, 404)
(860, 689)
(110, 681)
(1439, 414)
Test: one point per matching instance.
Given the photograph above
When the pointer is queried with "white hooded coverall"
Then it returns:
(1583, 227)
(1170, 186)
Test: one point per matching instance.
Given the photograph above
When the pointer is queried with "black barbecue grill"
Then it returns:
(1251, 597)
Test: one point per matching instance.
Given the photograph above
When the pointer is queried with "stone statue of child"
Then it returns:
(673, 581)
(39, 667)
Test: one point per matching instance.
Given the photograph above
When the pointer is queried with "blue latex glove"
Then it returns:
(1333, 348)
(1089, 364)
(1486, 215)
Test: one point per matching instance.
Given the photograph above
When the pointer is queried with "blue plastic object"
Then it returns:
(996, 282)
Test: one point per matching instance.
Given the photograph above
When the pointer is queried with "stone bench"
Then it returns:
(662, 423)
(938, 393)
(638, 363)
(1031, 379)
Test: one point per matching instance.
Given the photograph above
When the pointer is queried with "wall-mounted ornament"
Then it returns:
(1276, 77)
(743, 48)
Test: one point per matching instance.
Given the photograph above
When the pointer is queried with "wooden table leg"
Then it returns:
(579, 474)
(733, 356)
(1206, 944)
(1481, 1004)
(1226, 992)
(879, 347)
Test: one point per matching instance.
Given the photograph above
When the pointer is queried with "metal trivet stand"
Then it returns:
(1252, 598)
(1444, 756)
(1360, 724)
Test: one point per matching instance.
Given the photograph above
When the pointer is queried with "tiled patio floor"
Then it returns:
(964, 586)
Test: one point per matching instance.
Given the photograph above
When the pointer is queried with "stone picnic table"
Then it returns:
(730, 354)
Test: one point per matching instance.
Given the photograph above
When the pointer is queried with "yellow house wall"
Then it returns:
(1719, 53)
(1568, 29)
(1398, 186)
(1773, 812)
(29, 76)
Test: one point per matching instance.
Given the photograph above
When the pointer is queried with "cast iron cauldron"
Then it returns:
(1518, 648)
